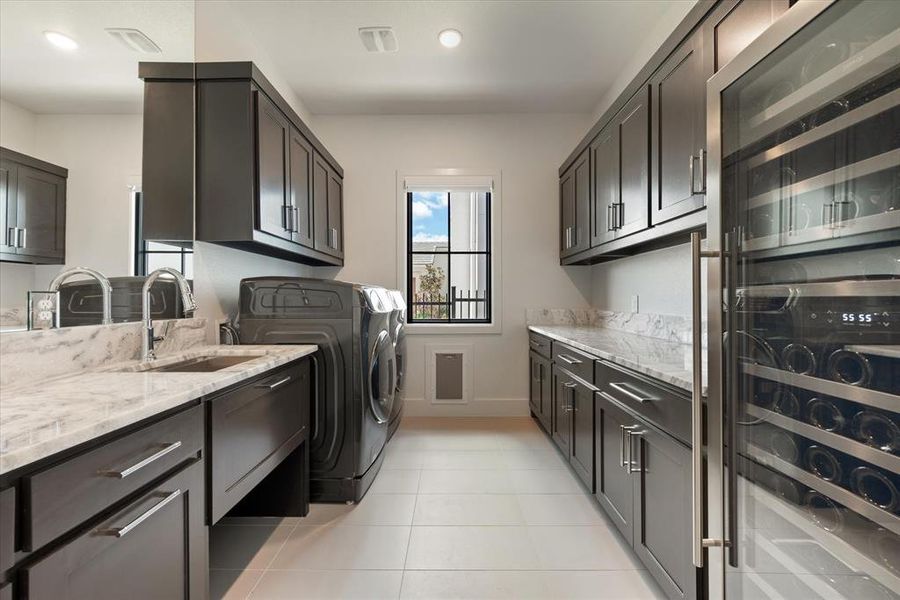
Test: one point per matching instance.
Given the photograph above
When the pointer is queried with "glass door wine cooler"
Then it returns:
(804, 309)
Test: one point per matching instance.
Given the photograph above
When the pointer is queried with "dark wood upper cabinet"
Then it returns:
(255, 166)
(328, 195)
(679, 132)
(605, 189)
(575, 207)
(33, 205)
(734, 24)
(273, 203)
(633, 124)
(301, 200)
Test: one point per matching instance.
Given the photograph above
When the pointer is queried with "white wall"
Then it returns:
(527, 149)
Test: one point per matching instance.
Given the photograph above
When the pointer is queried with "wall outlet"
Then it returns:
(635, 306)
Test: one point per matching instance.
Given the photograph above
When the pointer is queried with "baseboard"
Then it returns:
(479, 407)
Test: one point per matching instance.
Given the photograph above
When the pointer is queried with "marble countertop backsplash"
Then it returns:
(47, 416)
(655, 345)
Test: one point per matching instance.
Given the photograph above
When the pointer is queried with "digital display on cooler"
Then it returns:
(861, 318)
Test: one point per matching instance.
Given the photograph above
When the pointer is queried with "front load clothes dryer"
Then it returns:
(398, 334)
(356, 371)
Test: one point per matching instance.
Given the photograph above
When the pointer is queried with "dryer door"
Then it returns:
(382, 379)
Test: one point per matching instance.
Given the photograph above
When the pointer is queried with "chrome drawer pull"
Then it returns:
(568, 359)
(535, 344)
(140, 465)
(277, 384)
(621, 387)
(631, 434)
(120, 532)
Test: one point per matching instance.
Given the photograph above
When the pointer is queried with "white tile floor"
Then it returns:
(462, 508)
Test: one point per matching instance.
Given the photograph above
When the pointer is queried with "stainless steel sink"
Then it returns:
(197, 364)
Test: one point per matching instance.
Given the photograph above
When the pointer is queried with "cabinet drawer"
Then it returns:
(665, 408)
(153, 547)
(576, 362)
(252, 429)
(73, 491)
(539, 344)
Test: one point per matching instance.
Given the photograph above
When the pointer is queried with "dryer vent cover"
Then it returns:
(378, 39)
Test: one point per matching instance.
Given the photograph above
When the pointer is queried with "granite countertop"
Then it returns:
(667, 361)
(43, 418)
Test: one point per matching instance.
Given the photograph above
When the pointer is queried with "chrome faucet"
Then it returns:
(187, 299)
(105, 287)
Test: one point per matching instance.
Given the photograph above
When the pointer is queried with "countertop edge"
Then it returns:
(19, 461)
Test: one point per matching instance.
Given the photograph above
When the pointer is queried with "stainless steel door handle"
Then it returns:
(277, 384)
(622, 387)
(610, 226)
(295, 221)
(122, 474)
(333, 242)
(698, 500)
(21, 240)
(624, 446)
(702, 159)
(620, 218)
(123, 531)
(568, 359)
(12, 236)
(631, 434)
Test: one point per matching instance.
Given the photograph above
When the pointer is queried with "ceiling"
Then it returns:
(516, 56)
(101, 75)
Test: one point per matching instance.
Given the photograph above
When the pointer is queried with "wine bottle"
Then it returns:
(824, 511)
(875, 487)
(799, 358)
(876, 429)
(825, 413)
(821, 462)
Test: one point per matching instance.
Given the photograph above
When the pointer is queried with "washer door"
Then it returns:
(382, 379)
(399, 351)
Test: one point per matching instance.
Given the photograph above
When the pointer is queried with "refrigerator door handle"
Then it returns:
(698, 498)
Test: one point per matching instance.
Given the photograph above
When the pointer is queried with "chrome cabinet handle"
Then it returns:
(698, 500)
(610, 226)
(620, 216)
(333, 243)
(624, 455)
(141, 464)
(535, 344)
(120, 532)
(295, 218)
(21, 240)
(630, 434)
(621, 387)
(568, 359)
(702, 159)
(277, 384)
(691, 160)
(12, 236)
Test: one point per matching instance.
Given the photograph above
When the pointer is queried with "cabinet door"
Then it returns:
(534, 384)
(633, 124)
(154, 547)
(605, 185)
(272, 130)
(734, 24)
(662, 529)
(581, 449)
(7, 207)
(563, 385)
(546, 394)
(300, 154)
(41, 213)
(679, 132)
(335, 214)
(614, 489)
(575, 209)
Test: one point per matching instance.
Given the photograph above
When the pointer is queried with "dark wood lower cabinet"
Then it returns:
(643, 483)
(152, 548)
(614, 489)
(540, 390)
(662, 524)
(561, 428)
(573, 422)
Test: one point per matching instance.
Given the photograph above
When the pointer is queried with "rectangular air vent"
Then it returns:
(134, 39)
(378, 39)
(448, 373)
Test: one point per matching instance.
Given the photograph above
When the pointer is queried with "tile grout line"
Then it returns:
(272, 560)
(412, 523)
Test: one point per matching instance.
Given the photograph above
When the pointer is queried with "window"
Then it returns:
(449, 256)
(149, 256)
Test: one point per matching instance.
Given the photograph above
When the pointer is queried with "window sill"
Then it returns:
(452, 329)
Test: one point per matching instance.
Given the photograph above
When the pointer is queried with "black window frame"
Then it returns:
(451, 302)
(141, 247)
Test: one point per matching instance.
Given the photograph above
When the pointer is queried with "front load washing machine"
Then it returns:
(356, 371)
(398, 334)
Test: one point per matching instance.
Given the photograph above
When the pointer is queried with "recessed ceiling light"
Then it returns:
(450, 38)
(61, 41)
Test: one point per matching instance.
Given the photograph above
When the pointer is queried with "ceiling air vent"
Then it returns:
(378, 39)
(134, 39)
